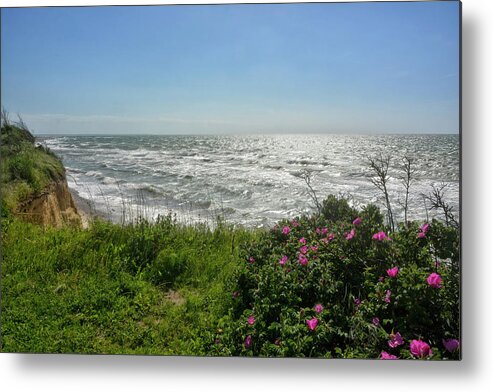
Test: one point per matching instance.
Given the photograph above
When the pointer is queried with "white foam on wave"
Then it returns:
(174, 171)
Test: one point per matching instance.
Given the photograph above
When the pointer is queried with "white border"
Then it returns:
(21, 372)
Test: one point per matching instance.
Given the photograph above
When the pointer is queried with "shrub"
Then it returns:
(340, 290)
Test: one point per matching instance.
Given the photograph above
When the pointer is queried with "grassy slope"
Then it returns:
(106, 289)
(25, 168)
(101, 290)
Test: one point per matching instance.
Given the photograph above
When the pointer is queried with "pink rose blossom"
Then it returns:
(248, 341)
(434, 280)
(395, 340)
(386, 355)
(357, 302)
(420, 349)
(235, 294)
(286, 230)
(392, 272)
(423, 230)
(251, 260)
(381, 279)
(388, 293)
(357, 221)
(380, 236)
(303, 240)
(283, 260)
(318, 308)
(295, 223)
(312, 323)
(302, 259)
(314, 248)
(451, 344)
(318, 231)
(375, 321)
(324, 230)
(304, 249)
(349, 236)
(251, 320)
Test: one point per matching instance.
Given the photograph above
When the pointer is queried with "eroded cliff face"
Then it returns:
(54, 207)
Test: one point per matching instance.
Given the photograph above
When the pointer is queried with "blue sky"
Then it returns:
(303, 68)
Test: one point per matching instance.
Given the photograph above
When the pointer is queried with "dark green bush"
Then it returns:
(343, 268)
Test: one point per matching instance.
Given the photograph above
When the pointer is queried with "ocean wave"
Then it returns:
(252, 174)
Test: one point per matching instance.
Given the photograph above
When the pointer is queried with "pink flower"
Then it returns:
(357, 221)
(381, 279)
(375, 321)
(324, 230)
(286, 230)
(420, 349)
(349, 236)
(386, 355)
(329, 238)
(312, 323)
(434, 280)
(235, 294)
(251, 320)
(380, 236)
(295, 223)
(423, 230)
(395, 340)
(283, 260)
(303, 240)
(451, 344)
(302, 259)
(388, 293)
(318, 308)
(314, 248)
(251, 260)
(304, 249)
(357, 302)
(392, 272)
(248, 341)
(317, 230)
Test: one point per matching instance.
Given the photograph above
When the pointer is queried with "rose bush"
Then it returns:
(342, 285)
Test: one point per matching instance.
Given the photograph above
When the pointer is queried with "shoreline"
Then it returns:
(86, 210)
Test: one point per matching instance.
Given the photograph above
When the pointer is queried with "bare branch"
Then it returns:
(306, 175)
(407, 179)
(437, 200)
(380, 166)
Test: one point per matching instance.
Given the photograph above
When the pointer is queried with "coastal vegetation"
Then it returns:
(26, 169)
(344, 282)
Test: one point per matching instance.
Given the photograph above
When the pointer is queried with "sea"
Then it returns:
(252, 180)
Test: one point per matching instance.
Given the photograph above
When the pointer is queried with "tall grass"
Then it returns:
(141, 288)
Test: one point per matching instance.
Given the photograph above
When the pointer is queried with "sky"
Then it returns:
(256, 68)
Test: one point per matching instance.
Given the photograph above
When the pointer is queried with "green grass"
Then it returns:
(106, 289)
(25, 169)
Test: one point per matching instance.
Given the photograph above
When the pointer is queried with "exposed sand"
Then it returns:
(86, 210)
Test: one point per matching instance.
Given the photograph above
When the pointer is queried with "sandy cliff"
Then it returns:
(54, 206)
